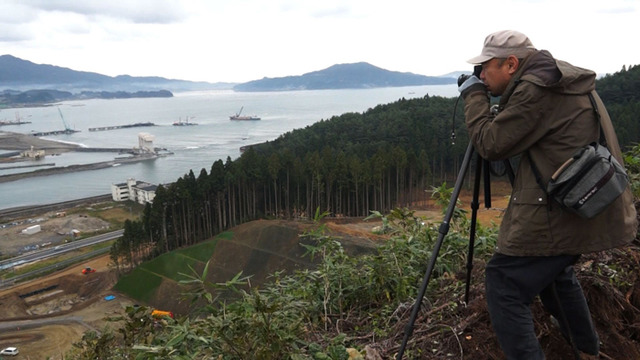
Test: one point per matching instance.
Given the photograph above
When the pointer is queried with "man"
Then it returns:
(544, 114)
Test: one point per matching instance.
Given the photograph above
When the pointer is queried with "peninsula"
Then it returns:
(22, 142)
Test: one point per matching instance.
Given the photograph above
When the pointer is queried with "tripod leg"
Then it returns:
(442, 232)
(475, 205)
(487, 183)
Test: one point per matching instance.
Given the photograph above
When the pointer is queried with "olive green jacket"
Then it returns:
(546, 112)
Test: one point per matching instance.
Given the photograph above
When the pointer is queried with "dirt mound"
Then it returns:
(54, 296)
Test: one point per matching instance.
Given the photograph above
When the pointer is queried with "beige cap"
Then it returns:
(503, 43)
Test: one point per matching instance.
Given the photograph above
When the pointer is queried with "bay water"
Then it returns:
(193, 147)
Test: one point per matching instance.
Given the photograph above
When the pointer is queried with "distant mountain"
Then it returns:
(360, 75)
(21, 75)
(456, 74)
(41, 97)
(18, 75)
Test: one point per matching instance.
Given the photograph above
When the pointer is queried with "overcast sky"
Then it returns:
(242, 40)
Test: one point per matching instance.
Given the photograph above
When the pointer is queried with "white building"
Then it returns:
(31, 230)
(145, 193)
(145, 142)
(138, 191)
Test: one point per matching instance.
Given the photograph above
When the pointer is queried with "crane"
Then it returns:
(67, 129)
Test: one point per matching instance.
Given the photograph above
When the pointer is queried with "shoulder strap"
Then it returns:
(538, 176)
(594, 104)
(602, 141)
(536, 172)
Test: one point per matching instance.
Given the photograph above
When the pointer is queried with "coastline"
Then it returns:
(21, 142)
(18, 141)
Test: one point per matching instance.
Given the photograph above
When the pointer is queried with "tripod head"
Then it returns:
(461, 79)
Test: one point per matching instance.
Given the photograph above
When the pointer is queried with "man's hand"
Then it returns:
(470, 83)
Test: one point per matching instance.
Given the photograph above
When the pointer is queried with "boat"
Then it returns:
(183, 123)
(11, 122)
(18, 121)
(237, 116)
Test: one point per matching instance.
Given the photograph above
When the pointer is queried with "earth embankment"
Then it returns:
(18, 141)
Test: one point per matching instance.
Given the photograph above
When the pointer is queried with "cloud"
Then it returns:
(12, 17)
(242, 40)
(332, 12)
(11, 34)
(618, 10)
(140, 11)
(15, 13)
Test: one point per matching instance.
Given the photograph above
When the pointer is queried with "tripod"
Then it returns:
(444, 229)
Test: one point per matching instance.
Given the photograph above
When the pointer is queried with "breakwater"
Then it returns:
(82, 167)
(115, 127)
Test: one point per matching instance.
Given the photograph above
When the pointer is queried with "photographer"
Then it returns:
(544, 114)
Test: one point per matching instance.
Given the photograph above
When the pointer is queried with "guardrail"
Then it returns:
(59, 249)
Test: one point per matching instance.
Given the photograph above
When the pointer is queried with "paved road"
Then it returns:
(55, 251)
(29, 324)
(60, 249)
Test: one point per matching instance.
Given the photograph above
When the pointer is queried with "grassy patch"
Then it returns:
(101, 245)
(117, 213)
(227, 235)
(139, 284)
(202, 252)
(170, 265)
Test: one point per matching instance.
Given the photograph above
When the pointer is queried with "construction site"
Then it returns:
(45, 316)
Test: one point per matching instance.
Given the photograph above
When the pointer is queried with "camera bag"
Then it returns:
(587, 182)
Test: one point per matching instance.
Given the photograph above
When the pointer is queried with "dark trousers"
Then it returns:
(513, 282)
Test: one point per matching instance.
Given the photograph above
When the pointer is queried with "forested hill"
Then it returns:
(620, 87)
(620, 92)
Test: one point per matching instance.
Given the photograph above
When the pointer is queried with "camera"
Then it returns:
(464, 77)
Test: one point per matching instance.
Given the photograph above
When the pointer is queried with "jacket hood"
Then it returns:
(542, 69)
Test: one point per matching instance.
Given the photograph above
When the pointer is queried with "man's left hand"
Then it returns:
(471, 84)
